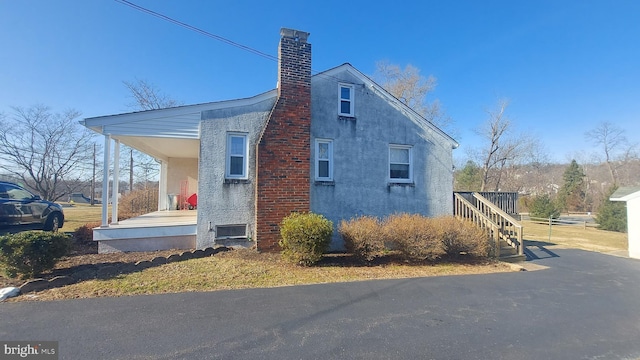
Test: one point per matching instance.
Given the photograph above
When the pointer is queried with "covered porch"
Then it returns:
(171, 136)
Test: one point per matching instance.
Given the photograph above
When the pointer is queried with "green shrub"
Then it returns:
(543, 207)
(363, 237)
(612, 215)
(413, 235)
(462, 237)
(84, 234)
(32, 252)
(305, 237)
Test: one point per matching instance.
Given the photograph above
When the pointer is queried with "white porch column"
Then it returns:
(105, 181)
(162, 186)
(116, 183)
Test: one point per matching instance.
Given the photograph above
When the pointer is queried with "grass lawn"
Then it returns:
(248, 269)
(80, 214)
(242, 269)
(571, 236)
(239, 269)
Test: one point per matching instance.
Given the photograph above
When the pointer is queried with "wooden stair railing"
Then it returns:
(464, 209)
(510, 229)
(505, 200)
(485, 214)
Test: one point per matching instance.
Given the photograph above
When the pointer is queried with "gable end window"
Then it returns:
(346, 100)
(236, 159)
(324, 160)
(400, 163)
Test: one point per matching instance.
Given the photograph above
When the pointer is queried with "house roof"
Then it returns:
(399, 105)
(164, 133)
(175, 132)
(178, 122)
(625, 193)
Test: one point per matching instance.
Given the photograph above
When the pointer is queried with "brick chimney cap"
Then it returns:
(295, 34)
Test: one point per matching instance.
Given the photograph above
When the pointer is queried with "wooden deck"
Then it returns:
(160, 230)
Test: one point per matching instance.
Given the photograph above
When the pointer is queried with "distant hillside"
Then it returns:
(537, 179)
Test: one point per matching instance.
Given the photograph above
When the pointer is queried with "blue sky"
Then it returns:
(564, 65)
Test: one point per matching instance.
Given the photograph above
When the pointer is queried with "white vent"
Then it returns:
(231, 231)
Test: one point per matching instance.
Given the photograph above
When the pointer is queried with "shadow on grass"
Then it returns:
(82, 271)
(348, 260)
(107, 270)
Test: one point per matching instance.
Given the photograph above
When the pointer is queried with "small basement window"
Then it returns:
(231, 232)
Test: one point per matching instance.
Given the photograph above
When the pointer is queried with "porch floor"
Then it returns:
(159, 230)
(161, 218)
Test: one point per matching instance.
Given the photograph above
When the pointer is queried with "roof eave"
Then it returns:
(625, 194)
(96, 123)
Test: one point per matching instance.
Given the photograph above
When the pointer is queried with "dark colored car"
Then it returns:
(21, 210)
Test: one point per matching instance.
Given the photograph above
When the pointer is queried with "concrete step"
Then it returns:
(513, 258)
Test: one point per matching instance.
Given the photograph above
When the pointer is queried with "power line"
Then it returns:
(214, 36)
(198, 30)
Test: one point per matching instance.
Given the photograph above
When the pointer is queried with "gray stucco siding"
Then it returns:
(227, 201)
(361, 183)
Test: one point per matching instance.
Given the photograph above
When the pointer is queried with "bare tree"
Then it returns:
(503, 149)
(50, 152)
(146, 96)
(412, 89)
(614, 145)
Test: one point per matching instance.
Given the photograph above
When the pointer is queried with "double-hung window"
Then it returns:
(400, 163)
(236, 161)
(345, 100)
(324, 160)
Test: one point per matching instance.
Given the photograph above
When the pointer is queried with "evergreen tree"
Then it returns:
(469, 178)
(543, 207)
(571, 196)
(612, 214)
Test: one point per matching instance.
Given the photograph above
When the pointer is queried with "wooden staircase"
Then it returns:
(504, 229)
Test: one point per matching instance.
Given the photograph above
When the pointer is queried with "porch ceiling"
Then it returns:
(163, 148)
(164, 133)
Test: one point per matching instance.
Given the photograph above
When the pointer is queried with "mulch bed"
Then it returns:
(87, 254)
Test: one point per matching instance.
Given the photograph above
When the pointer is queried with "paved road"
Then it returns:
(584, 306)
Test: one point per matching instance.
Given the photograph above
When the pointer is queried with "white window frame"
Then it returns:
(245, 152)
(400, 147)
(351, 99)
(317, 160)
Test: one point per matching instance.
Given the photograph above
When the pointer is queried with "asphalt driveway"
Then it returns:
(583, 306)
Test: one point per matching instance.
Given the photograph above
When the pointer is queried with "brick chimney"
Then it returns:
(284, 148)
